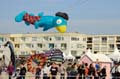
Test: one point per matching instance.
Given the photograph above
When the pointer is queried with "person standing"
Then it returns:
(73, 72)
(86, 70)
(22, 72)
(46, 71)
(91, 72)
(10, 70)
(38, 72)
(54, 70)
(68, 70)
(103, 73)
(61, 70)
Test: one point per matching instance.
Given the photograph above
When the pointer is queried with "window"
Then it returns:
(34, 38)
(74, 52)
(104, 39)
(1, 39)
(32, 45)
(89, 40)
(104, 47)
(50, 39)
(63, 46)
(111, 46)
(118, 46)
(12, 38)
(80, 46)
(58, 38)
(74, 39)
(84, 39)
(17, 45)
(89, 46)
(51, 45)
(39, 45)
(46, 38)
(23, 38)
(28, 45)
(118, 39)
(96, 46)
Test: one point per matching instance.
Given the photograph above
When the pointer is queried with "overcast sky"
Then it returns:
(86, 16)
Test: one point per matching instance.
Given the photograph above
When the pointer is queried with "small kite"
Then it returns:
(59, 21)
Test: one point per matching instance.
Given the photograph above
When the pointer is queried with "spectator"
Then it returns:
(22, 72)
(61, 70)
(86, 70)
(115, 71)
(68, 70)
(0, 70)
(91, 72)
(46, 71)
(38, 72)
(73, 72)
(81, 71)
(54, 70)
(103, 72)
(10, 70)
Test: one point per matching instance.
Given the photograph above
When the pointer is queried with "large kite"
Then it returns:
(59, 21)
(12, 56)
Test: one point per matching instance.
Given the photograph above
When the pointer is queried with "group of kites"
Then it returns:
(47, 57)
(53, 55)
(59, 21)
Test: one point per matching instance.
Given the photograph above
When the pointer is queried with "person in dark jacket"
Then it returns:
(38, 72)
(73, 72)
(103, 72)
(54, 70)
(81, 70)
(91, 71)
(22, 72)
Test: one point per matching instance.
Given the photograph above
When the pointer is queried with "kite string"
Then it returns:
(71, 7)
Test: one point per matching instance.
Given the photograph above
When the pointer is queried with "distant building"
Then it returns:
(76, 43)
(26, 44)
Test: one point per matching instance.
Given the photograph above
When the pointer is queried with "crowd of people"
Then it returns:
(68, 71)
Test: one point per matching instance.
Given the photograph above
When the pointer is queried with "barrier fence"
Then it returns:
(56, 76)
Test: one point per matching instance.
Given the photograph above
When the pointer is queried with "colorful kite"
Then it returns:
(12, 56)
(59, 21)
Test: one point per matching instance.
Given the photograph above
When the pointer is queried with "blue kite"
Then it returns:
(59, 21)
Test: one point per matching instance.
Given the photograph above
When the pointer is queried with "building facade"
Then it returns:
(103, 43)
(26, 44)
(74, 43)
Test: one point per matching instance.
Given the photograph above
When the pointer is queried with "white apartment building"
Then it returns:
(74, 43)
(26, 44)
(103, 43)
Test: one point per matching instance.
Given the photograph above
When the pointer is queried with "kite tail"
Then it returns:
(28, 18)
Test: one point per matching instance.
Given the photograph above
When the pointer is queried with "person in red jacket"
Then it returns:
(10, 70)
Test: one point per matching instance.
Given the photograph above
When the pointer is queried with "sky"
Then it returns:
(85, 16)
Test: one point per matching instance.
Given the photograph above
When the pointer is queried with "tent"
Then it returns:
(115, 56)
(90, 57)
(70, 56)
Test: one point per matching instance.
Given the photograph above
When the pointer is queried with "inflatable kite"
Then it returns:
(12, 56)
(59, 21)
(37, 59)
(55, 55)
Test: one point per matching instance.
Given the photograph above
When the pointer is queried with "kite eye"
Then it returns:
(59, 21)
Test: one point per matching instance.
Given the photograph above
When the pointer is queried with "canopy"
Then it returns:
(97, 56)
(115, 56)
(70, 56)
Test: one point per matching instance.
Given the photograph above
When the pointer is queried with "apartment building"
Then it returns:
(103, 43)
(74, 43)
(26, 44)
